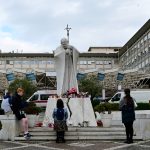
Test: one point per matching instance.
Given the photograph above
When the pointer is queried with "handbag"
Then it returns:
(60, 125)
(135, 104)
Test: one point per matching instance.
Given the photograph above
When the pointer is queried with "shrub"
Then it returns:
(143, 106)
(95, 103)
(102, 107)
(32, 109)
(115, 107)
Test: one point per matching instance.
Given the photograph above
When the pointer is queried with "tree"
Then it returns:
(91, 85)
(28, 86)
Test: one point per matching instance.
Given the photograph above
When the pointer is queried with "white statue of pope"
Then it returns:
(66, 57)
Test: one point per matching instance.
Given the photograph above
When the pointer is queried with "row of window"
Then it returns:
(143, 45)
(9, 62)
(105, 62)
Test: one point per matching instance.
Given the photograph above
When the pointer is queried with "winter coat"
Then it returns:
(17, 106)
(128, 112)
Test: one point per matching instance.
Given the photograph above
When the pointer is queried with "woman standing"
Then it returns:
(60, 116)
(127, 106)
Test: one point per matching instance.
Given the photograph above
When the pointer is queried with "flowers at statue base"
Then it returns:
(99, 123)
(72, 91)
(39, 124)
(51, 125)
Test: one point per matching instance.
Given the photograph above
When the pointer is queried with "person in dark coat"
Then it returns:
(60, 116)
(127, 108)
(17, 108)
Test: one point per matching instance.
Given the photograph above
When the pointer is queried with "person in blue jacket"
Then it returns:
(60, 116)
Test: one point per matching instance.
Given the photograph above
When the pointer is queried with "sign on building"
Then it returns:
(101, 76)
(80, 76)
(10, 76)
(120, 76)
(30, 76)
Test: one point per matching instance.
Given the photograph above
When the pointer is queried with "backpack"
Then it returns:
(60, 114)
(5, 105)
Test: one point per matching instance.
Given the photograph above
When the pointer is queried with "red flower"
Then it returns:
(72, 91)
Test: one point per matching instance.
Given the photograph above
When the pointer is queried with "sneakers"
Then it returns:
(27, 136)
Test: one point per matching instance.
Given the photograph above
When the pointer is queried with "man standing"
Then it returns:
(66, 57)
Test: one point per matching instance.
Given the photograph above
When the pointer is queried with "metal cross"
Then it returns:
(67, 29)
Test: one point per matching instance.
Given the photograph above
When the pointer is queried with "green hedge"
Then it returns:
(115, 106)
(95, 103)
(143, 106)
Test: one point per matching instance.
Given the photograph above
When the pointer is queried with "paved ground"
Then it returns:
(84, 145)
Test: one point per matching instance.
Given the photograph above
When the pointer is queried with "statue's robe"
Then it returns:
(66, 69)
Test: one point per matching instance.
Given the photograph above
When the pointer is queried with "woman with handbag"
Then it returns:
(60, 116)
(127, 106)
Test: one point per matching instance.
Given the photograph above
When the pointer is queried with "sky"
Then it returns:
(37, 26)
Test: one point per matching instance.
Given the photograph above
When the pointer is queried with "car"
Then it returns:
(140, 95)
(40, 97)
(100, 99)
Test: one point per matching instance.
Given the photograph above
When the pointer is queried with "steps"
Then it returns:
(76, 133)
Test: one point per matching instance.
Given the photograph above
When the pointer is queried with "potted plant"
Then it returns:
(32, 112)
(105, 110)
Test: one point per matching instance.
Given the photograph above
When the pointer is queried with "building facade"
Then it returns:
(135, 54)
(43, 66)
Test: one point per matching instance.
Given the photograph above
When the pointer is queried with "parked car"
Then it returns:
(40, 97)
(140, 96)
(100, 99)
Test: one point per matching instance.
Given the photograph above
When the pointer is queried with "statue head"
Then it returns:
(64, 43)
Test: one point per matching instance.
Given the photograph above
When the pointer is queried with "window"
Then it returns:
(90, 62)
(116, 97)
(44, 96)
(99, 62)
(11, 62)
(34, 97)
(82, 62)
(146, 49)
(149, 35)
(7, 62)
(50, 62)
(145, 38)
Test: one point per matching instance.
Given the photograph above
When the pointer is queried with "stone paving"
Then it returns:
(73, 145)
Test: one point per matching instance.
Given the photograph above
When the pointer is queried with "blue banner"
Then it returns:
(10, 76)
(30, 76)
(80, 76)
(120, 76)
(101, 76)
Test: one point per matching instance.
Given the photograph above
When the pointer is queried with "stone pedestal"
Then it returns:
(10, 127)
(142, 126)
(81, 108)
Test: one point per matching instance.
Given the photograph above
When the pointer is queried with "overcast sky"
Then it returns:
(38, 25)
